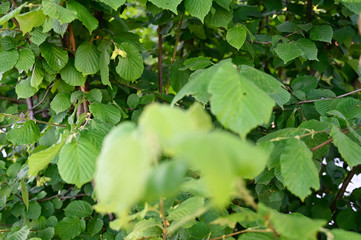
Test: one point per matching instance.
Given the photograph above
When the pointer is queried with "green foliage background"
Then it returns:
(179, 119)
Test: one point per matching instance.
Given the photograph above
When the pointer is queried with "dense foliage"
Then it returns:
(179, 119)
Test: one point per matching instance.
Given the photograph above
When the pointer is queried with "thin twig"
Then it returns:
(35, 120)
(160, 59)
(42, 100)
(12, 99)
(325, 99)
(270, 42)
(84, 107)
(243, 231)
(175, 49)
(163, 219)
(322, 144)
(342, 190)
(177, 39)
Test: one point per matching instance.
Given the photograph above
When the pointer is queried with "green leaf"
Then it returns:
(199, 8)
(236, 102)
(133, 100)
(236, 36)
(37, 75)
(77, 161)
(29, 20)
(165, 179)
(104, 61)
(26, 59)
(24, 194)
(4, 19)
(24, 89)
(219, 18)
(131, 66)
(197, 86)
(349, 149)
(203, 151)
(186, 208)
(267, 83)
(20, 234)
(297, 168)
(71, 76)
(304, 83)
(94, 226)
(256, 236)
(175, 122)
(115, 4)
(296, 226)
(54, 10)
(105, 113)
(95, 95)
(122, 170)
(34, 211)
(224, 3)
(78, 208)
(89, 21)
(61, 102)
(8, 59)
(37, 36)
(149, 228)
(340, 234)
(308, 48)
(56, 57)
(288, 51)
(70, 227)
(178, 78)
(39, 160)
(87, 59)
(27, 133)
(4, 8)
(321, 33)
(167, 4)
(197, 63)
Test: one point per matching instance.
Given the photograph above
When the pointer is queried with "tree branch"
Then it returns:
(325, 99)
(163, 219)
(175, 48)
(12, 99)
(342, 190)
(160, 59)
(84, 107)
(35, 120)
(243, 231)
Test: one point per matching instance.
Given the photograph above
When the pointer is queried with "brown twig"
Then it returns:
(342, 190)
(321, 145)
(84, 107)
(12, 99)
(42, 100)
(163, 219)
(309, 9)
(325, 99)
(35, 120)
(160, 59)
(175, 48)
(243, 231)
(269, 42)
